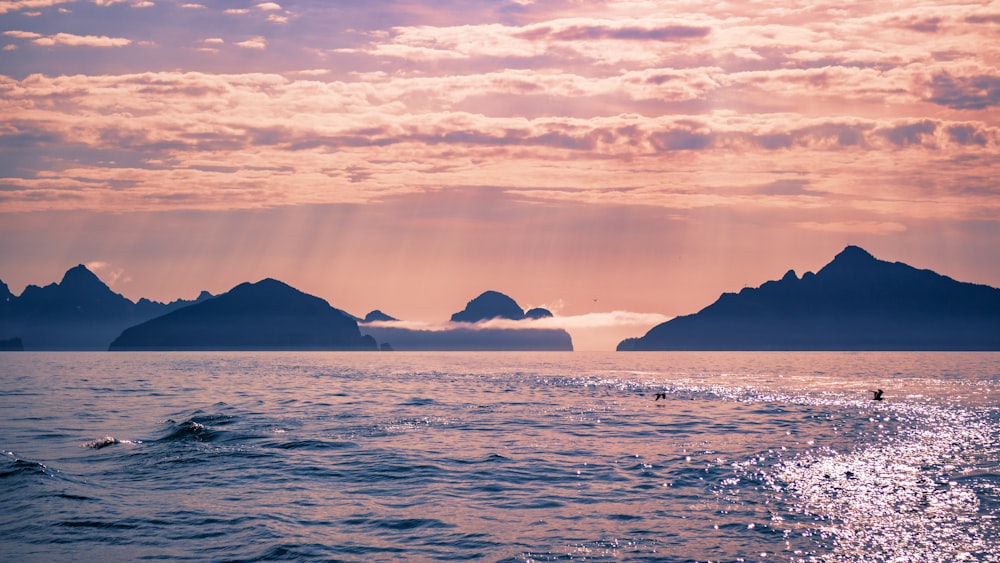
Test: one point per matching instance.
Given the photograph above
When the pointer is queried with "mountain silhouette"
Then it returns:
(267, 315)
(79, 313)
(537, 313)
(856, 302)
(5, 296)
(377, 315)
(80, 295)
(466, 336)
(489, 305)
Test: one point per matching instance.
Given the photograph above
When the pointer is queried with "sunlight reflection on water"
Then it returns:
(513, 457)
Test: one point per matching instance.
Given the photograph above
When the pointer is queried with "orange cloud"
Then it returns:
(70, 39)
(18, 5)
(259, 139)
(257, 42)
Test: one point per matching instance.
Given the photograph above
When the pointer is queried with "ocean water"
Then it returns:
(499, 457)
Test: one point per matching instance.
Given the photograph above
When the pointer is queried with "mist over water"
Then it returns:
(500, 456)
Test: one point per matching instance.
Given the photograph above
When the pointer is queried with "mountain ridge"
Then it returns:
(266, 315)
(80, 312)
(855, 302)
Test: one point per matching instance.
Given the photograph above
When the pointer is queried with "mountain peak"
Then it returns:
(80, 276)
(538, 313)
(377, 315)
(83, 288)
(489, 305)
(851, 261)
(854, 253)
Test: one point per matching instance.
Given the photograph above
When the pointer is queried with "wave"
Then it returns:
(189, 431)
(314, 445)
(17, 467)
(197, 428)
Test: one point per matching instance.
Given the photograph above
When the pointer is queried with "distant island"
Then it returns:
(464, 333)
(856, 302)
(82, 313)
(267, 315)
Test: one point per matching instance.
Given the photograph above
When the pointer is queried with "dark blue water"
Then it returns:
(499, 457)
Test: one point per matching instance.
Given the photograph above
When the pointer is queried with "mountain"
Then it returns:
(5, 295)
(464, 335)
(377, 315)
(537, 313)
(489, 305)
(856, 302)
(80, 295)
(79, 313)
(267, 315)
(150, 309)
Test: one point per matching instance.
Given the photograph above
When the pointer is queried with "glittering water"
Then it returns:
(500, 457)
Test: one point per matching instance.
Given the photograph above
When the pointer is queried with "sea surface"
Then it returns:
(499, 456)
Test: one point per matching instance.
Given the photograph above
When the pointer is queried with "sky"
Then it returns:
(618, 162)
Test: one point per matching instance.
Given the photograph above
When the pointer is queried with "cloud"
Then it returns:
(257, 42)
(928, 25)
(984, 18)
(965, 92)
(681, 140)
(611, 319)
(83, 40)
(967, 135)
(18, 5)
(108, 273)
(312, 72)
(786, 187)
(630, 40)
(700, 110)
(596, 32)
(22, 34)
(69, 39)
(132, 3)
(909, 133)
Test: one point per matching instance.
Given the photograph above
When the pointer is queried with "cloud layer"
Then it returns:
(698, 109)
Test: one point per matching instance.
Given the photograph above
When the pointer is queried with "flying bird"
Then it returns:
(877, 395)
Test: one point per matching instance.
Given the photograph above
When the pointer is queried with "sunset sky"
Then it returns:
(618, 162)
